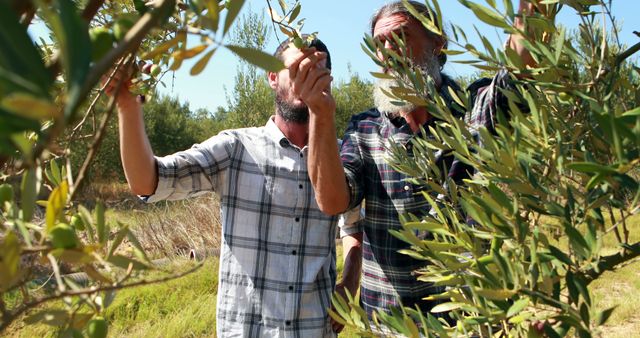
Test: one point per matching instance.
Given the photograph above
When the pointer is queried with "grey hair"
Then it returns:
(398, 7)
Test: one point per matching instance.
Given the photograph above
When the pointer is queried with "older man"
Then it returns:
(360, 171)
(277, 257)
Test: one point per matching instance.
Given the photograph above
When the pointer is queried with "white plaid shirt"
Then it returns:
(277, 261)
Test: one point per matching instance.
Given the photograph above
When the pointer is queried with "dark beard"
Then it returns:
(290, 112)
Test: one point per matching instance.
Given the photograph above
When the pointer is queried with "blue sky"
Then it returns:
(341, 25)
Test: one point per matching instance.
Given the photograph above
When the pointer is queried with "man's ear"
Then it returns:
(273, 80)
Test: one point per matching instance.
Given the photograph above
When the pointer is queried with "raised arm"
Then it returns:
(312, 84)
(135, 150)
(325, 168)
(526, 8)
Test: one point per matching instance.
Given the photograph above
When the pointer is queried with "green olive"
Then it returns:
(123, 25)
(155, 70)
(63, 236)
(97, 328)
(101, 42)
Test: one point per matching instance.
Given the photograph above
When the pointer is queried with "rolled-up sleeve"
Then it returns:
(350, 222)
(194, 171)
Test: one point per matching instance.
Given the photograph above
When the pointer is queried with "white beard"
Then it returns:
(430, 67)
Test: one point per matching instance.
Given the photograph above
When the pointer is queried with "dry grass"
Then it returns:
(114, 194)
(175, 228)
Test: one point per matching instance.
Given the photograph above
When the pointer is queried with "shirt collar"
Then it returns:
(275, 134)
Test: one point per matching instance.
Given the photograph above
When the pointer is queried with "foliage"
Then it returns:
(50, 93)
(170, 125)
(251, 102)
(518, 243)
(352, 97)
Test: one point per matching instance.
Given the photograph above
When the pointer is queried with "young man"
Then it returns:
(360, 172)
(277, 260)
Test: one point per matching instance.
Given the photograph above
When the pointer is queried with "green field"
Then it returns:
(186, 307)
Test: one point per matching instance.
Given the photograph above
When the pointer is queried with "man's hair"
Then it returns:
(398, 8)
(319, 45)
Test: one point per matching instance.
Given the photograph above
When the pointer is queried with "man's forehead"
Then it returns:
(391, 23)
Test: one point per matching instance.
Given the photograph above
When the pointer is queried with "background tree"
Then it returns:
(51, 92)
(250, 103)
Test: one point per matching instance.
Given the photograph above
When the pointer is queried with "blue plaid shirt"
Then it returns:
(387, 278)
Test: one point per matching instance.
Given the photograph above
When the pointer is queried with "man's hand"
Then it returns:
(119, 85)
(311, 80)
(526, 8)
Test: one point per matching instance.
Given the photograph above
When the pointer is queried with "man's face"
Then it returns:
(288, 105)
(421, 49)
(419, 44)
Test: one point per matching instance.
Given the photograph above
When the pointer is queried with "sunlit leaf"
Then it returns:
(233, 9)
(202, 63)
(161, 48)
(258, 58)
(29, 106)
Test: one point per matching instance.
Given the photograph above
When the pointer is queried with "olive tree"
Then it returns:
(49, 91)
(517, 243)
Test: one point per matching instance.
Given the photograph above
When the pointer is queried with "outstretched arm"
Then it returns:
(135, 150)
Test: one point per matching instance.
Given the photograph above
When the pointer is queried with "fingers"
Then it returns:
(118, 81)
(311, 62)
(315, 83)
(293, 60)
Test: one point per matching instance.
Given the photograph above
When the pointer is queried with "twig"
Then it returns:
(91, 9)
(92, 106)
(615, 226)
(56, 272)
(99, 136)
(7, 320)
(273, 22)
(627, 53)
(625, 230)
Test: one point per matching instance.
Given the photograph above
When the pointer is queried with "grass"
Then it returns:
(186, 307)
(181, 308)
(620, 288)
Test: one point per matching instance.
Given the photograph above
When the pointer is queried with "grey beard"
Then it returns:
(430, 67)
(290, 112)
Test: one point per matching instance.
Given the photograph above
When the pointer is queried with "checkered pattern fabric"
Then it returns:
(387, 278)
(277, 260)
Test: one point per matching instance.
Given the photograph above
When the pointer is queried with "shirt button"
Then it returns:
(294, 252)
(297, 219)
(300, 186)
(301, 155)
(406, 187)
(288, 322)
(290, 287)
